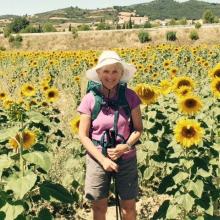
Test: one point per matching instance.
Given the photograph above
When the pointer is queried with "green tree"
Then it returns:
(18, 24)
(48, 27)
(183, 21)
(208, 16)
(70, 27)
(147, 24)
(144, 36)
(129, 26)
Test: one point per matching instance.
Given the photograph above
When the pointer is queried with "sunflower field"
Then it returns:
(42, 162)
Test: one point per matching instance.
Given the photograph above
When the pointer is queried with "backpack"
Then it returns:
(108, 138)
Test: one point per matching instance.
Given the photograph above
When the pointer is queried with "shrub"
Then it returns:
(18, 24)
(74, 33)
(18, 38)
(144, 36)
(48, 27)
(147, 24)
(198, 25)
(83, 27)
(30, 29)
(15, 41)
(171, 36)
(2, 48)
(11, 38)
(194, 35)
(103, 26)
(7, 32)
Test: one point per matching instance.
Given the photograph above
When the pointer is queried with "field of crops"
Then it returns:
(42, 163)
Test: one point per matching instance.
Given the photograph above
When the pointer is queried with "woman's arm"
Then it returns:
(115, 153)
(137, 126)
(84, 127)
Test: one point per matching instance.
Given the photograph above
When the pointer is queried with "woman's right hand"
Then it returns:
(109, 165)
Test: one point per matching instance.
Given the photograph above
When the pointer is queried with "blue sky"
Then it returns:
(22, 7)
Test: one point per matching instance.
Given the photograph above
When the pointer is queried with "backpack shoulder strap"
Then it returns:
(94, 87)
(123, 103)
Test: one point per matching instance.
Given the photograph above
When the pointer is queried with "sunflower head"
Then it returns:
(7, 103)
(178, 82)
(74, 123)
(190, 104)
(188, 132)
(28, 139)
(165, 87)
(148, 94)
(28, 90)
(215, 87)
(52, 95)
(2, 95)
(184, 91)
(215, 72)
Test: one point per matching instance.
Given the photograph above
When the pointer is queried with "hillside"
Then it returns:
(162, 9)
(157, 9)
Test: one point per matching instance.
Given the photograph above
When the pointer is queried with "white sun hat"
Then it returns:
(111, 57)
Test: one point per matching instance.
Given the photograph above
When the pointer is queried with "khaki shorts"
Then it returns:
(97, 183)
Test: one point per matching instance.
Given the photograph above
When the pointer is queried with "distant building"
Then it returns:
(124, 17)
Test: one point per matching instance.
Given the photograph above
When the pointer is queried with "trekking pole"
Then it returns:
(117, 201)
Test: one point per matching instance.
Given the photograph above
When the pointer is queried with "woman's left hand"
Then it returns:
(116, 152)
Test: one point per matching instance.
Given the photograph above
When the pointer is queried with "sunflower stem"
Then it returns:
(21, 150)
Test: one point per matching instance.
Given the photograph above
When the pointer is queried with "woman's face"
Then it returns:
(110, 75)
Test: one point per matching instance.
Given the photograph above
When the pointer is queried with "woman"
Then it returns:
(120, 159)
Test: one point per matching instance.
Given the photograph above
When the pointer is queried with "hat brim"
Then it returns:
(129, 70)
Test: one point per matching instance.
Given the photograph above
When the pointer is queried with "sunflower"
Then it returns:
(7, 103)
(184, 91)
(147, 93)
(167, 63)
(52, 95)
(165, 87)
(173, 71)
(183, 81)
(2, 95)
(28, 90)
(44, 86)
(215, 87)
(155, 76)
(215, 72)
(190, 104)
(74, 123)
(28, 138)
(188, 132)
(76, 79)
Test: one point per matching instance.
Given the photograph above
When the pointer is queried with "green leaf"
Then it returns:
(42, 159)
(8, 133)
(148, 173)
(216, 147)
(50, 190)
(173, 212)
(44, 214)
(141, 155)
(210, 210)
(185, 201)
(203, 173)
(151, 114)
(180, 177)
(21, 185)
(5, 162)
(12, 211)
(37, 117)
(197, 187)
